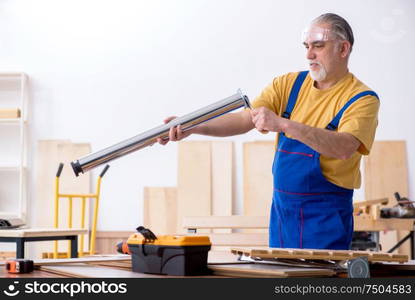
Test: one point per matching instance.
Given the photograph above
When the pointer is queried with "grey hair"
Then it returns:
(338, 25)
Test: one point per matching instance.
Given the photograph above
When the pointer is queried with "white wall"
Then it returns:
(103, 71)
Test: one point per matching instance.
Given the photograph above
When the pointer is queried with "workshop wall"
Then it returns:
(103, 71)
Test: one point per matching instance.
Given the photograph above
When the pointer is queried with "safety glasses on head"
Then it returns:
(318, 34)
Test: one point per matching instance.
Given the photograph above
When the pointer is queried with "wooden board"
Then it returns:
(244, 239)
(159, 209)
(9, 113)
(41, 232)
(235, 221)
(386, 172)
(222, 179)
(4, 255)
(114, 264)
(257, 177)
(88, 271)
(239, 269)
(364, 223)
(204, 187)
(194, 180)
(85, 259)
(106, 241)
(268, 270)
(220, 257)
(316, 254)
(49, 154)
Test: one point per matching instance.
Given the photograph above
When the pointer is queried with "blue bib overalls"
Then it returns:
(307, 210)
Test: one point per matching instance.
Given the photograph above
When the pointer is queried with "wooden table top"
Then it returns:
(41, 232)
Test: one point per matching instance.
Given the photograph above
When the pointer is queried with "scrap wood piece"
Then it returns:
(194, 180)
(319, 254)
(41, 232)
(85, 259)
(257, 178)
(159, 207)
(268, 270)
(10, 113)
(127, 264)
(383, 201)
(88, 271)
(366, 223)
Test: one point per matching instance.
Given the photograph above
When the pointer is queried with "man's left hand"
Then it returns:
(266, 120)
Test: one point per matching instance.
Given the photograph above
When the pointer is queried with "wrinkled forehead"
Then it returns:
(317, 33)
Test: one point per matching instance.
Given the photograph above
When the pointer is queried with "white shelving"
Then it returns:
(13, 146)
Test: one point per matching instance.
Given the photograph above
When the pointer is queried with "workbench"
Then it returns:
(223, 264)
(21, 236)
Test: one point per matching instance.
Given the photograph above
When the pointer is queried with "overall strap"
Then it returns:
(294, 94)
(335, 122)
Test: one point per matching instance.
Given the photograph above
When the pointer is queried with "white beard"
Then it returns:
(319, 75)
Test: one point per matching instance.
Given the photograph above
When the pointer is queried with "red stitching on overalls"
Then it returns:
(299, 153)
(301, 227)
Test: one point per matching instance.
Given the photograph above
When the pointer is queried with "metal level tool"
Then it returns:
(149, 137)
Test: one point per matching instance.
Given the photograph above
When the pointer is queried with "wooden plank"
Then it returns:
(364, 223)
(236, 222)
(222, 179)
(4, 255)
(386, 172)
(115, 264)
(237, 238)
(39, 232)
(220, 257)
(106, 241)
(285, 253)
(257, 178)
(49, 154)
(88, 271)
(159, 209)
(194, 180)
(85, 259)
(12, 113)
(268, 270)
(383, 201)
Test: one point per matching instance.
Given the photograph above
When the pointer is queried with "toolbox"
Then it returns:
(168, 254)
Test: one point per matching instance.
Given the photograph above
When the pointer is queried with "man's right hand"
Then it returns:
(175, 133)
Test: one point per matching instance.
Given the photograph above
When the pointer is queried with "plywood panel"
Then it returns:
(386, 172)
(245, 239)
(236, 222)
(40, 232)
(222, 179)
(87, 271)
(194, 180)
(106, 241)
(159, 209)
(49, 154)
(267, 270)
(258, 157)
(257, 179)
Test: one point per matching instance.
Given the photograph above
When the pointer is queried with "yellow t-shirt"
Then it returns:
(317, 108)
